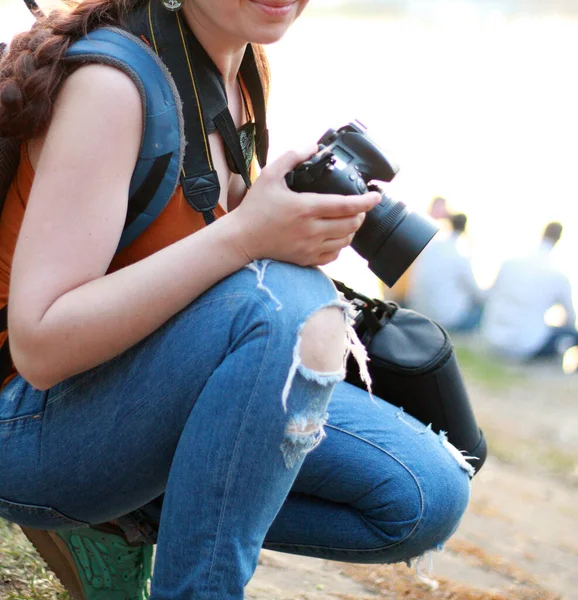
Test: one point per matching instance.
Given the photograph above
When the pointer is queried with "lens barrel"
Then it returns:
(391, 238)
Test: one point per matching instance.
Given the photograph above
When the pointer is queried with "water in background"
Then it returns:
(476, 100)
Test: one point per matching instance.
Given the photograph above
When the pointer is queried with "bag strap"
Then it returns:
(373, 310)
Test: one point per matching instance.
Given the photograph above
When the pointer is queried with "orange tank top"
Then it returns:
(175, 222)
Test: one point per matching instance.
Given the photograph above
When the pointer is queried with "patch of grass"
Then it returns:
(23, 574)
(560, 461)
(529, 453)
(486, 370)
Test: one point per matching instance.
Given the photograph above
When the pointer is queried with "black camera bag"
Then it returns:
(413, 365)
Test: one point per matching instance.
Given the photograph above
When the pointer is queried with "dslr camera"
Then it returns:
(349, 162)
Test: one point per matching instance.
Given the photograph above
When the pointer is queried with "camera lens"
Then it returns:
(391, 238)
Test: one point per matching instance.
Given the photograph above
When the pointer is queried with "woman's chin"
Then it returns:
(272, 19)
(268, 36)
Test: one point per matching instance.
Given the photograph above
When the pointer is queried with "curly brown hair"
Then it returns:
(33, 69)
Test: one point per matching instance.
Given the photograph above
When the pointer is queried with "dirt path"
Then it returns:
(519, 537)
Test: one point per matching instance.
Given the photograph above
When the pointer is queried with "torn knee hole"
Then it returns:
(303, 427)
(323, 340)
(304, 432)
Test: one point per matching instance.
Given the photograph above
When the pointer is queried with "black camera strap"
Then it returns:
(205, 106)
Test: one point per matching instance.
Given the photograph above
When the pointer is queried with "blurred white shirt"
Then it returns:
(441, 283)
(525, 289)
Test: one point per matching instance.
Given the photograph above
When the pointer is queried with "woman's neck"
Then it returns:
(226, 52)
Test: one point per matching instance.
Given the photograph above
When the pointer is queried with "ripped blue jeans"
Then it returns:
(215, 417)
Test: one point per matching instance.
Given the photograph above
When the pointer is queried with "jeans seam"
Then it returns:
(33, 510)
(32, 416)
(273, 545)
(324, 549)
(236, 446)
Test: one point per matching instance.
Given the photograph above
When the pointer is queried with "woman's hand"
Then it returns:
(301, 228)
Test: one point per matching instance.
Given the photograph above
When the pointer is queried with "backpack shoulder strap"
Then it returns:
(9, 156)
(162, 146)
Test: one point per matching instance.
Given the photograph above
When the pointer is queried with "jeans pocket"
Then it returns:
(40, 517)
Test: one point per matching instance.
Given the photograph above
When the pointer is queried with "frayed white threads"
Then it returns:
(420, 430)
(259, 267)
(303, 434)
(460, 458)
(356, 348)
(427, 578)
(359, 353)
(292, 372)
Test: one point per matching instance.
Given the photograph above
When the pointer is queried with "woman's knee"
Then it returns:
(306, 304)
(446, 496)
(420, 513)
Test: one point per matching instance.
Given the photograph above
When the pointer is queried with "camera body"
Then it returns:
(347, 163)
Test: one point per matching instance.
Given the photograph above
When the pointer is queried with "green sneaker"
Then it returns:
(94, 565)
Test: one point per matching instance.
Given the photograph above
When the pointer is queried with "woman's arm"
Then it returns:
(65, 314)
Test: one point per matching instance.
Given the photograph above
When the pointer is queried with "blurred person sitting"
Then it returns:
(437, 210)
(442, 285)
(525, 290)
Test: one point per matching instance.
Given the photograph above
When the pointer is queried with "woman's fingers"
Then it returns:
(329, 250)
(339, 228)
(330, 206)
(279, 223)
(335, 244)
(325, 259)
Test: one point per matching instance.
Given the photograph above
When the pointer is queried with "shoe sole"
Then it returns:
(58, 559)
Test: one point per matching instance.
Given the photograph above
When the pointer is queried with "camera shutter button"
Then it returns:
(360, 184)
